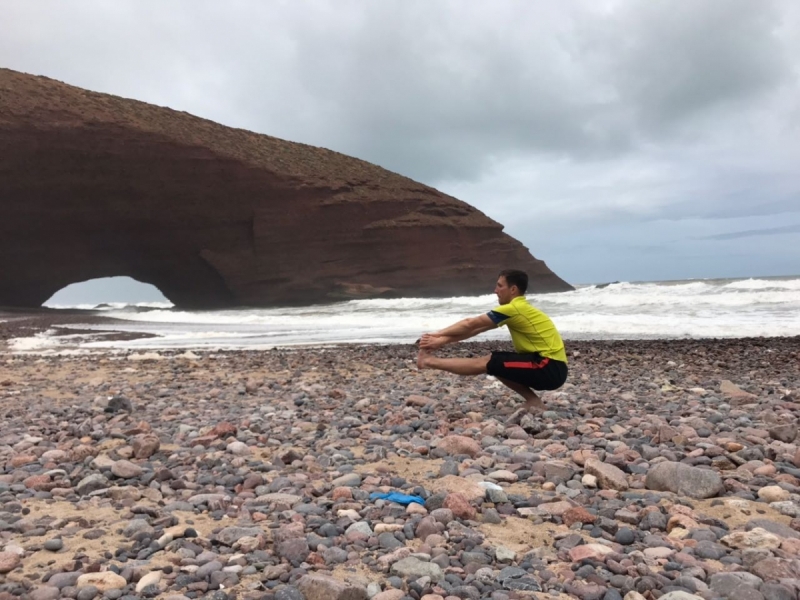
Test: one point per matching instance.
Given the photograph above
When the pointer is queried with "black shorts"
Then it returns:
(532, 370)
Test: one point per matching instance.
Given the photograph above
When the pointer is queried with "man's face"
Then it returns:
(504, 293)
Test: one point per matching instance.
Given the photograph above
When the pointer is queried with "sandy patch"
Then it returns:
(94, 517)
(97, 517)
(521, 535)
(358, 574)
(520, 489)
(414, 470)
(737, 511)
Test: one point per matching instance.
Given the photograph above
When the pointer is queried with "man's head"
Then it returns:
(510, 284)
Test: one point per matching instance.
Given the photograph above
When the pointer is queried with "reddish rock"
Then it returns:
(578, 514)
(204, 440)
(417, 401)
(144, 446)
(460, 506)
(8, 562)
(389, 595)
(734, 392)
(37, 482)
(773, 569)
(21, 460)
(608, 476)
(453, 483)
(222, 430)
(579, 457)
(557, 508)
(342, 493)
(460, 444)
(595, 551)
(253, 481)
(217, 217)
(288, 532)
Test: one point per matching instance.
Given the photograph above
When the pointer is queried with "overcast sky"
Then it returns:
(618, 140)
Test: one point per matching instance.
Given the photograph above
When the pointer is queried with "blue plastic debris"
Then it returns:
(396, 497)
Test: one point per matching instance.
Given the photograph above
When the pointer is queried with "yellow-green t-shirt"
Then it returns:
(531, 330)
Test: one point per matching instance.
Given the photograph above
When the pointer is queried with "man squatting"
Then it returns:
(540, 360)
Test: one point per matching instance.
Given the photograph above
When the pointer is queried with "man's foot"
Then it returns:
(531, 407)
(534, 405)
(422, 358)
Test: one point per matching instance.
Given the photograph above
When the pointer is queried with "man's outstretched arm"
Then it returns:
(464, 329)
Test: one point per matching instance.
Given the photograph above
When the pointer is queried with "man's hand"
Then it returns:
(464, 329)
(431, 341)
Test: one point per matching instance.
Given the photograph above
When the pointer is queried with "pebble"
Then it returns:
(54, 545)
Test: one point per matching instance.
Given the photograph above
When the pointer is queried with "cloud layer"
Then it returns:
(609, 137)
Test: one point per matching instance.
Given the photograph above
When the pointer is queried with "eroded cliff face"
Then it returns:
(92, 185)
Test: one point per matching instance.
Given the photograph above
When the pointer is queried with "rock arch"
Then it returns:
(105, 290)
(94, 186)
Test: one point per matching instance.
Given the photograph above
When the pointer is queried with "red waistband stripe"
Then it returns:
(526, 365)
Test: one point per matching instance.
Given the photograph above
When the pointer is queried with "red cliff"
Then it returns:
(93, 185)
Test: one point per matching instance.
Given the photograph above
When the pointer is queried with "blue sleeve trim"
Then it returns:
(497, 317)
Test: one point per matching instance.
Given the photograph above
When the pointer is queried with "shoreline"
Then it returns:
(24, 323)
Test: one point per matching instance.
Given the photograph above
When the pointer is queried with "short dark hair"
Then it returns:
(517, 278)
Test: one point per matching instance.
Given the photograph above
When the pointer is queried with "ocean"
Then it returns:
(710, 308)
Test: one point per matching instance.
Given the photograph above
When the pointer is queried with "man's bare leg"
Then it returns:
(459, 366)
(476, 366)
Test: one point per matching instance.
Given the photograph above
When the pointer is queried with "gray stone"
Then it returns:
(496, 496)
(45, 592)
(62, 580)
(723, 583)
(289, 593)
(415, 568)
(119, 404)
(138, 526)
(91, 483)
(294, 550)
(54, 545)
(526, 584)
(773, 527)
(207, 569)
(125, 469)
(684, 480)
(324, 587)
(680, 596)
(387, 541)
(334, 555)
(709, 550)
(88, 592)
(491, 516)
(510, 573)
(777, 591)
(361, 527)
(230, 535)
(347, 480)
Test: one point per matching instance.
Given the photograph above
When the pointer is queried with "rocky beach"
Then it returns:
(662, 469)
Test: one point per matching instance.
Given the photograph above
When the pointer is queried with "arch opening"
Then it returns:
(94, 293)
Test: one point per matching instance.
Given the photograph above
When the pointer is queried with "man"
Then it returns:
(540, 360)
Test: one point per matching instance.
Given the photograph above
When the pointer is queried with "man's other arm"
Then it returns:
(464, 329)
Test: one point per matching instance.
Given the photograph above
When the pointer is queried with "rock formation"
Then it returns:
(93, 185)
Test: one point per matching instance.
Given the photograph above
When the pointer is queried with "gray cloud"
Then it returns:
(753, 232)
(678, 119)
